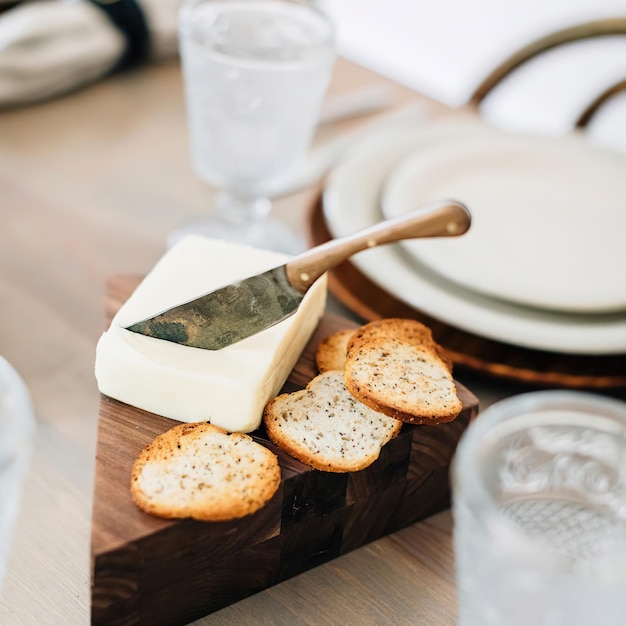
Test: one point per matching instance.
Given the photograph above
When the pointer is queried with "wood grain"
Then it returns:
(149, 570)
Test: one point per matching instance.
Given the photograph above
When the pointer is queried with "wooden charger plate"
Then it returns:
(147, 570)
(536, 367)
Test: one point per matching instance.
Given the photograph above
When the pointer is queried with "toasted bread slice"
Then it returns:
(407, 330)
(201, 471)
(325, 427)
(331, 353)
(404, 380)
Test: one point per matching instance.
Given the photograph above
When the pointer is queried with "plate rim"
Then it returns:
(370, 262)
(471, 352)
(414, 164)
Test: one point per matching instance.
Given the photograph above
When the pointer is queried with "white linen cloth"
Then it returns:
(444, 49)
(50, 47)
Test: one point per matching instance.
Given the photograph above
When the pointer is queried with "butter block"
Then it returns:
(227, 387)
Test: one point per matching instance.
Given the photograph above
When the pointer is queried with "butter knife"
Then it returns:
(231, 313)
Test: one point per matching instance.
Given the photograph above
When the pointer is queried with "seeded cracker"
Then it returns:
(408, 330)
(404, 380)
(204, 472)
(325, 427)
(331, 353)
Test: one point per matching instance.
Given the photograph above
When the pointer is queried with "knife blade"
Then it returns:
(231, 313)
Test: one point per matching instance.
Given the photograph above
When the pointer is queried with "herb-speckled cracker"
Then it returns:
(331, 353)
(407, 381)
(325, 427)
(407, 330)
(201, 471)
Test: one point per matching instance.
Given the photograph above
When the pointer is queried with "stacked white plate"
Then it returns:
(544, 264)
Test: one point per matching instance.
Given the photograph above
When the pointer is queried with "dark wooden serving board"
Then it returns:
(153, 571)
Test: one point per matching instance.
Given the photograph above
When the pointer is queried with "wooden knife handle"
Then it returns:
(446, 218)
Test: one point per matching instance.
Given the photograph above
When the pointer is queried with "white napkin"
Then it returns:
(51, 47)
(444, 49)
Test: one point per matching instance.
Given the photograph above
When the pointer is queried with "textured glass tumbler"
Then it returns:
(16, 426)
(539, 491)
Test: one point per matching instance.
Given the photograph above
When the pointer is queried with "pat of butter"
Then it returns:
(227, 387)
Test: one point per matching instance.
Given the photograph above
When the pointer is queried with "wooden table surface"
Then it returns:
(90, 185)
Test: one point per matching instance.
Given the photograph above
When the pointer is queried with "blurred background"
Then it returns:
(443, 50)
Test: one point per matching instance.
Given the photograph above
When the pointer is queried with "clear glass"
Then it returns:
(539, 492)
(16, 426)
(255, 74)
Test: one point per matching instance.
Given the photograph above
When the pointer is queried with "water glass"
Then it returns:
(539, 491)
(255, 74)
(16, 426)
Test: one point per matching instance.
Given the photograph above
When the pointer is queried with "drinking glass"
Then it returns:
(255, 74)
(539, 489)
(16, 425)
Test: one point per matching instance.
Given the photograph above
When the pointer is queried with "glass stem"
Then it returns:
(241, 209)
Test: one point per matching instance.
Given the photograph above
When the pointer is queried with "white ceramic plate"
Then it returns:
(548, 218)
(352, 202)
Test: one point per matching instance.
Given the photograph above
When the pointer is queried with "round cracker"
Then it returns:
(331, 353)
(403, 380)
(404, 329)
(203, 472)
(325, 427)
